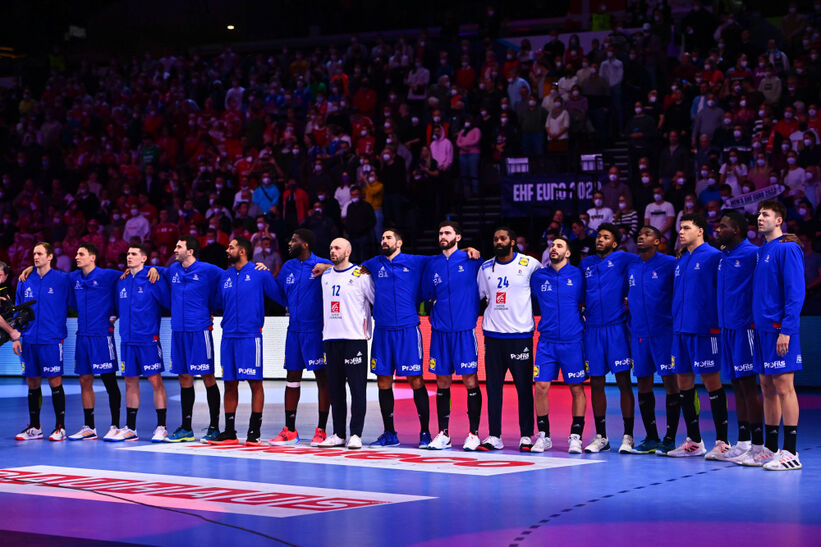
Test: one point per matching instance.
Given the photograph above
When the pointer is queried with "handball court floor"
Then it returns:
(95, 493)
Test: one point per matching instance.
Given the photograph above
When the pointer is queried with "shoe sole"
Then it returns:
(185, 440)
(574, 452)
(330, 445)
(316, 444)
(283, 443)
(605, 449)
(625, 451)
(784, 468)
(634, 451)
(525, 448)
(354, 447)
(252, 443)
(92, 438)
(57, 440)
(383, 445)
(448, 447)
(224, 443)
(29, 439)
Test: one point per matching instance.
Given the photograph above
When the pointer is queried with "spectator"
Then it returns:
(266, 195)
(468, 141)
(264, 253)
(660, 214)
(626, 217)
(614, 188)
(136, 226)
(599, 214)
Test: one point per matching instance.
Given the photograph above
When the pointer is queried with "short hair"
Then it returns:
(738, 221)
(563, 238)
(89, 247)
(610, 227)
(305, 235)
(46, 245)
(511, 234)
(774, 205)
(453, 224)
(656, 231)
(140, 247)
(5, 268)
(245, 243)
(396, 233)
(192, 243)
(696, 219)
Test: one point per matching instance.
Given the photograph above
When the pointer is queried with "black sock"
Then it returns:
(771, 437)
(187, 404)
(255, 424)
(757, 433)
(790, 437)
(673, 404)
(131, 418)
(386, 407)
(577, 427)
(543, 423)
(601, 425)
(114, 397)
(230, 423)
(35, 402)
(443, 408)
(628, 425)
(744, 431)
(58, 401)
(213, 394)
(647, 408)
(88, 417)
(420, 399)
(718, 406)
(688, 408)
(323, 420)
(161, 415)
(474, 409)
(290, 419)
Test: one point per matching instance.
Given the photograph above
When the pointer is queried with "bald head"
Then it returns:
(340, 252)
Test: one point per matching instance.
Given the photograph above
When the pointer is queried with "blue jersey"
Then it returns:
(242, 298)
(193, 295)
(451, 284)
(301, 291)
(605, 288)
(694, 291)
(140, 304)
(735, 286)
(94, 298)
(52, 293)
(560, 296)
(397, 289)
(650, 296)
(778, 288)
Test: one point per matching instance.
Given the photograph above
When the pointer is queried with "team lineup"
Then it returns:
(734, 311)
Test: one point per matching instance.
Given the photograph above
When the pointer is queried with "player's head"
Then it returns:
(731, 227)
(692, 230)
(771, 215)
(504, 239)
(42, 254)
(136, 256)
(186, 246)
(607, 238)
(391, 241)
(649, 237)
(340, 250)
(301, 240)
(239, 248)
(86, 254)
(559, 250)
(5, 271)
(450, 233)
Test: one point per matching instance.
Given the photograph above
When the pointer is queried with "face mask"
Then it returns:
(295, 151)
(711, 214)
(155, 261)
(711, 181)
(622, 205)
(134, 212)
(503, 121)
(260, 226)
(737, 134)
(787, 115)
(210, 241)
(521, 247)
(808, 175)
(645, 180)
(751, 234)
(658, 197)
(437, 119)
(704, 173)
(193, 233)
(727, 121)
(807, 142)
(366, 168)
(414, 120)
(218, 187)
(773, 180)
(689, 204)
(614, 178)
(711, 103)
(371, 179)
(791, 161)
(733, 159)
(802, 211)
(813, 112)
(756, 144)
(354, 200)
(531, 103)
(364, 132)
(743, 103)
(761, 162)
(638, 110)
(785, 146)
(115, 216)
(653, 98)
(386, 157)
(597, 202)
(467, 125)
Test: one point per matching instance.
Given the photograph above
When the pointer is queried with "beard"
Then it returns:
(445, 245)
(293, 251)
(556, 259)
(502, 251)
(388, 251)
(233, 259)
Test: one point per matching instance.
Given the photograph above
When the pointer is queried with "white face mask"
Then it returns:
(260, 226)
(638, 110)
(689, 204)
(751, 234)
(761, 162)
(622, 205)
(658, 197)
(791, 160)
(711, 214)
(645, 180)
(733, 159)
(743, 104)
(807, 142)
(597, 202)
(737, 134)
(802, 211)
(614, 178)
(773, 180)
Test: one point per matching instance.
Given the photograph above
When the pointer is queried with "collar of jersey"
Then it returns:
(509, 261)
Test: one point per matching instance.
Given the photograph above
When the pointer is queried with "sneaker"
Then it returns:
(181, 436)
(627, 444)
(574, 444)
(665, 447)
(285, 437)
(332, 442)
(113, 430)
(491, 443)
(355, 442)
(599, 444)
(210, 434)
(123, 434)
(748, 458)
(439, 442)
(388, 438)
(85, 434)
(160, 434)
(29, 434)
(319, 437)
(472, 443)
(784, 460)
(647, 446)
(738, 450)
(757, 456)
(252, 438)
(225, 438)
(525, 444)
(424, 439)
(542, 443)
(719, 452)
(59, 434)
(688, 448)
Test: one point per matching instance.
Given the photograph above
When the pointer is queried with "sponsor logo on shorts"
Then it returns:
(153, 366)
(664, 366)
(100, 366)
(579, 374)
(354, 360)
(472, 364)
(501, 298)
(798, 359)
(744, 367)
(535, 371)
(524, 356)
(314, 362)
(246, 371)
(412, 368)
(704, 364)
(55, 368)
(432, 364)
(373, 364)
(775, 364)
(199, 368)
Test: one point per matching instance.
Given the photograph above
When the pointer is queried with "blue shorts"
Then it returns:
(453, 352)
(241, 358)
(42, 360)
(552, 356)
(141, 359)
(192, 352)
(304, 350)
(737, 352)
(767, 359)
(652, 354)
(95, 355)
(607, 349)
(696, 353)
(397, 350)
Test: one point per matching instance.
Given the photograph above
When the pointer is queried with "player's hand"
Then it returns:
(473, 253)
(14, 335)
(25, 273)
(261, 266)
(782, 345)
(319, 269)
(112, 319)
(153, 275)
(17, 347)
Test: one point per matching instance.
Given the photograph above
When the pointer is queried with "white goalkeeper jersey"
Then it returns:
(507, 288)
(347, 297)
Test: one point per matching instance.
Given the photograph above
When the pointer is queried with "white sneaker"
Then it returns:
(332, 442)
(627, 444)
(85, 434)
(123, 434)
(491, 443)
(599, 444)
(59, 434)
(525, 444)
(472, 443)
(738, 450)
(688, 448)
(113, 430)
(757, 456)
(29, 434)
(160, 434)
(575, 444)
(719, 452)
(354, 443)
(439, 442)
(784, 460)
(542, 443)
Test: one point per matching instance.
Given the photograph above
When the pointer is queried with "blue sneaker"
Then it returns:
(424, 439)
(180, 436)
(665, 446)
(386, 439)
(210, 434)
(647, 446)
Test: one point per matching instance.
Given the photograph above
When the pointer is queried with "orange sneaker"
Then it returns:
(319, 436)
(285, 437)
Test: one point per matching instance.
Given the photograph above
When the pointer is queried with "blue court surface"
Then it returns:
(93, 492)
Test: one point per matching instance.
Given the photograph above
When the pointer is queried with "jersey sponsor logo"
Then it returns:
(152, 366)
(123, 293)
(94, 282)
(316, 362)
(139, 290)
(28, 293)
(175, 279)
(655, 275)
(472, 364)
(335, 306)
(50, 290)
(55, 368)
(383, 272)
(501, 298)
(588, 272)
(199, 368)
(767, 259)
(798, 359)
(579, 374)
(610, 264)
(622, 362)
(664, 366)
(405, 269)
(524, 261)
(411, 368)
(77, 285)
(356, 272)
(737, 264)
(196, 277)
(744, 367)
(697, 266)
(704, 364)
(677, 272)
(487, 265)
(290, 280)
(191, 493)
(436, 279)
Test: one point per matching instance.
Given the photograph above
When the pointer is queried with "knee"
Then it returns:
(783, 388)
(542, 388)
(444, 382)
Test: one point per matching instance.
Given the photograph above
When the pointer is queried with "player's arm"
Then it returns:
(368, 289)
(320, 267)
(162, 292)
(794, 292)
(25, 273)
(271, 288)
(482, 283)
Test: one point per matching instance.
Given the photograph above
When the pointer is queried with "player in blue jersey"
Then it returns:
(738, 341)
(449, 281)
(650, 297)
(778, 295)
(606, 339)
(696, 340)
(300, 290)
(559, 291)
(41, 346)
